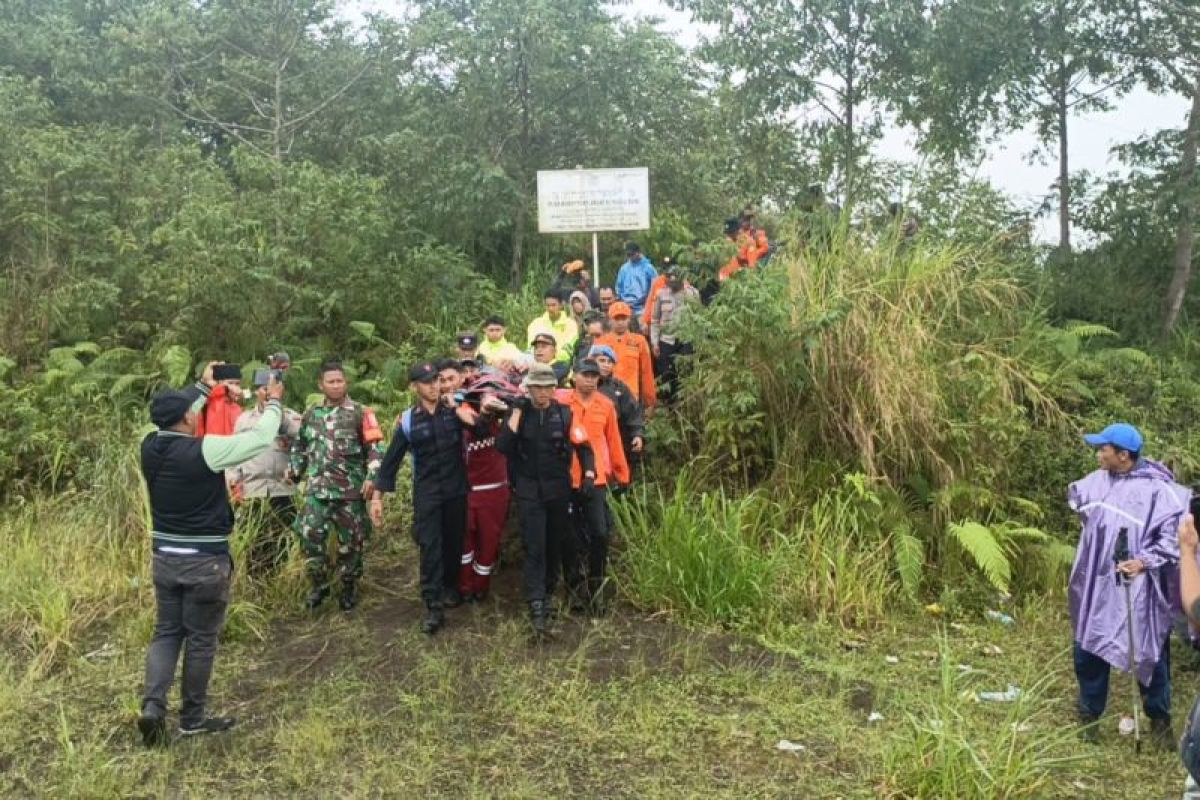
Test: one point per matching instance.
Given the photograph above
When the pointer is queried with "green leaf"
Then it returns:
(86, 349)
(364, 329)
(123, 385)
(981, 545)
(176, 363)
(910, 560)
(1088, 330)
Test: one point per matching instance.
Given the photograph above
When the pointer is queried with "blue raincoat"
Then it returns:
(633, 284)
(1149, 504)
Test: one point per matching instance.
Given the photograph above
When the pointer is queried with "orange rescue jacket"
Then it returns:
(599, 417)
(634, 364)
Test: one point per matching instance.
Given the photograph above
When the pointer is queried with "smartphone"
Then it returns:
(263, 376)
(1194, 508)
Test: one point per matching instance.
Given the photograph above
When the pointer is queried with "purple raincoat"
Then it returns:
(1149, 504)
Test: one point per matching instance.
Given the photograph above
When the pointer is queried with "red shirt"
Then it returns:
(486, 466)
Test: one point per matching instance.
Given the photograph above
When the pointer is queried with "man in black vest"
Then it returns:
(189, 508)
(540, 441)
(433, 431)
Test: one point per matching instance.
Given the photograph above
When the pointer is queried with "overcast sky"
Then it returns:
(1008, 166)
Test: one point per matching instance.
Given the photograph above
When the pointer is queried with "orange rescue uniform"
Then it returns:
(635, 364)
(599, 418)
(752, 245)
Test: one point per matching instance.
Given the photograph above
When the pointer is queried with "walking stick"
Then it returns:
(1120, 554)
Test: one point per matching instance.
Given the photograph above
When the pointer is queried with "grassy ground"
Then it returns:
(632, 705)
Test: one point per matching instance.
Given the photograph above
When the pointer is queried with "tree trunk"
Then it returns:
(1185, 232)
(1064, 170)
(850, 64)
(524, 157)
(277, 148)
(518, 245)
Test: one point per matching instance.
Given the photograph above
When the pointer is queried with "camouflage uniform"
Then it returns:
(337, 449)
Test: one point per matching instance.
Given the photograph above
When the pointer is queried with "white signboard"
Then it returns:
(590, 200)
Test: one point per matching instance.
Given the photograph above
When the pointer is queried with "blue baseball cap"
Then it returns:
(603, 350)
(1120, 434)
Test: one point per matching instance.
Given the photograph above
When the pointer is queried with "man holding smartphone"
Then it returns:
(191, 522)
(1134, 501)
(261, 486)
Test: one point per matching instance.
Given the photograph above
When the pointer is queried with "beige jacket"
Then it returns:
(264, 475)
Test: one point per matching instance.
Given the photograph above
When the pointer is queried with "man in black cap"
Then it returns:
(192, 520)
(467, 343)
(433, 430)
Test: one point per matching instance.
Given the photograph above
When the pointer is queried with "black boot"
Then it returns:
(451, 598)
(435, 618)
(316, 595)
(1162, 734)
(349, 598)
(1089, 728)
(153, 729)
(538, 617)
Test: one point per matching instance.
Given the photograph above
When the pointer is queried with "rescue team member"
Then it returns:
(224, 404)
(261, 485)
(337, 451)
(191, 521)
(545, 351)
(599, 416)
(634, 279)
(669, 309)
(659, 284)
(573, 277)
(608, 296)
(630, 416)
(558, 324)
(496, 350)
(467, 344)
(635, 363)
(450, 378)
(541, 439)
(432, 429)
(751, 242)
(487, 502)
(1131, 493)
(594, 323)
(754, 238)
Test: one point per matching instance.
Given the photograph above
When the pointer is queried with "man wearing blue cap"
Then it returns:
(1133, 499)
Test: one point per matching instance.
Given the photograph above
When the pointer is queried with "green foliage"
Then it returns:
(909, 553)
(981, 545)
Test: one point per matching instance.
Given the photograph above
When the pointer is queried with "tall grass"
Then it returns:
(73, 561)
(919, 367)
(77, 569)
(748, 560)
(950, 749)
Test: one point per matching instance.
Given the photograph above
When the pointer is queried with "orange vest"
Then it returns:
(659, 284)
(634, 365)
(752, 245)
(599, 417)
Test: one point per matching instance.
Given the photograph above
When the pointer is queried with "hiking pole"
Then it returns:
(1121, 554)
